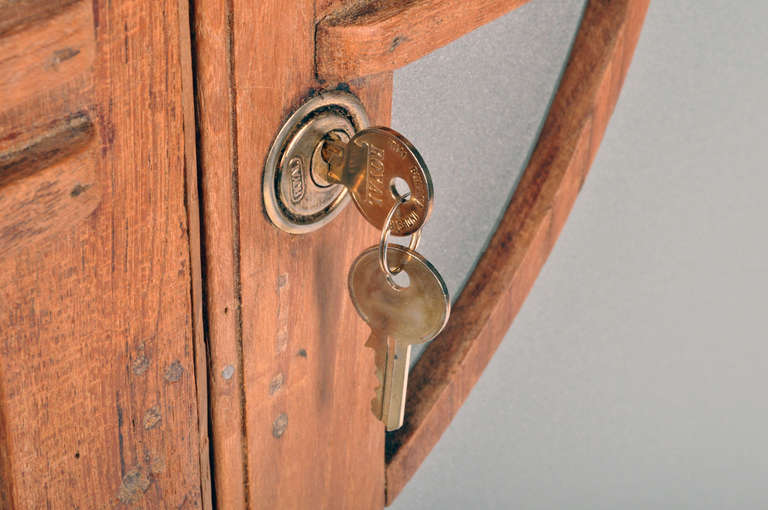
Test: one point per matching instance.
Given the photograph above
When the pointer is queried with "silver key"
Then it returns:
(399, 317)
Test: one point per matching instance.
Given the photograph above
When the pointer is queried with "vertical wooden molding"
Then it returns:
(195, 264)
(212, 45)
(289, 387)
(6, 470)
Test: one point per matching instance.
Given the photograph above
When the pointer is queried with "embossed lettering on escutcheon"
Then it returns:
(296, 169)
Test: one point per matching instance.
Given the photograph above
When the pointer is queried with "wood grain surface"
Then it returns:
(374, 36)
(19, 14)
(47, 181)
(34, 60)
(98, 402)
(445, 374)
(290, 380)
(106, 361)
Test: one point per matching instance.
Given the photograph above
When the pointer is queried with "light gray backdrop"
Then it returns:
(636, 374)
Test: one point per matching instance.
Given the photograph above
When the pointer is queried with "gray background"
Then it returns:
(635, 375)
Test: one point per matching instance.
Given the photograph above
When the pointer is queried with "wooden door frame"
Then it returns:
(289, 382)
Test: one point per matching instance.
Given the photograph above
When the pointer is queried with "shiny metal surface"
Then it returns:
(294, 199)
(368, 166)
(399, 317)
(395, 384)
(415, 313)
(413, 244)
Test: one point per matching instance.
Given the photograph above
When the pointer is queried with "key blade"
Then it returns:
(332, 152)
(412, 315)
(398, 360)
(379, 345)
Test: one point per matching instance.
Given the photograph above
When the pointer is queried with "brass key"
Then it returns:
(325, 152)
(368, 166)
(399, 316)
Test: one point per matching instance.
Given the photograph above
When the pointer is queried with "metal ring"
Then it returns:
(384, 243)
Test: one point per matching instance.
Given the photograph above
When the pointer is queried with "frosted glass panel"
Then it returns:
(474, 109)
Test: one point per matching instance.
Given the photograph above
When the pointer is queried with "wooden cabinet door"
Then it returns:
(147, 304)
(99, 398)
(290, 379)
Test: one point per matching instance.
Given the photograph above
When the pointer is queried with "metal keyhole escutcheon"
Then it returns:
(297, 198)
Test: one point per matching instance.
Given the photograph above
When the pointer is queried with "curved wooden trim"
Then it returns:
(449, 368)
(372, 37)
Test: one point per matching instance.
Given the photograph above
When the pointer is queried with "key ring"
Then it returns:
(384, 243)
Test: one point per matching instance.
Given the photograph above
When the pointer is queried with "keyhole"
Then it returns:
(399, 187)
(401, 279)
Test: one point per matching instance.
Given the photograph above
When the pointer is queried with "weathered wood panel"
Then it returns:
(368, 37)
(290, 378)
(98, 402)
(39, 57)
(18, 14)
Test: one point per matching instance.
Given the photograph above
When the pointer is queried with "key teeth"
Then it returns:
(380, 352)
(376, 405)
